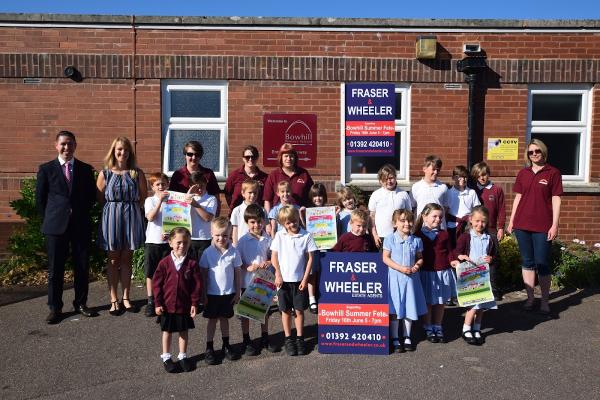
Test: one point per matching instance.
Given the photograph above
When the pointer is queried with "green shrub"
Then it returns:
(509, 269)
(138, 265)
(576, 265)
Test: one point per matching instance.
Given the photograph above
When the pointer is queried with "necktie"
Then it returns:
(67, 173)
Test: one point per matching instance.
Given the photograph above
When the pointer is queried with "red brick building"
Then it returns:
(161, 80)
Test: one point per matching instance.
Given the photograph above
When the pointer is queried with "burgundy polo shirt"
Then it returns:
(534, 212)
(233, 186)
(176, 291)
(437, 253)
(349, 242)
(300, 181)
(181, 180)
(492, 197)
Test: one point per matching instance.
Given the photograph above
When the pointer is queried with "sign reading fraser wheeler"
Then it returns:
(297, 129)
(370, 111)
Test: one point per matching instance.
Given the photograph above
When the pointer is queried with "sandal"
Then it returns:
(116, 310)
(478, 338)
(131, 307)
(431, 337)
(470, 339)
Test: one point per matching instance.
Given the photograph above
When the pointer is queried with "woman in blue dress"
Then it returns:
(122, 189)
(402, 254)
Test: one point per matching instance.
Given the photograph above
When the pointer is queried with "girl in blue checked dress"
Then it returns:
(402, 254)
(476, 246)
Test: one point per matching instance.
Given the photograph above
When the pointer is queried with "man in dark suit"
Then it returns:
(65, 195)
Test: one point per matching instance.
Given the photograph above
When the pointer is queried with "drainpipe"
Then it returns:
(133, 79)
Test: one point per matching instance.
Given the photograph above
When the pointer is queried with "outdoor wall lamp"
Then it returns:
(73, 73)
(426, 47)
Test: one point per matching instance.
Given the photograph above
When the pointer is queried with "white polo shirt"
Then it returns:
(383, 203)
(200, 227)
(461, 203)
(221, 269)
(253, 250)
(237, 219)
(291, 253)
(423, 193)
(154, 227)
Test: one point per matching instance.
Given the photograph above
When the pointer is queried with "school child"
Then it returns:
(317, 197)
(291, 255)
(437, 278)
(429, 189)
(384, 201)
(461, 200)
(177, 287)
(203, 209)
(476, 246)
(156, 247)
(254, 249)
(346, 203)
(220, 266)
(492, 197)
(284, 192)
(250, 191)
(358, 239)
(402, 253)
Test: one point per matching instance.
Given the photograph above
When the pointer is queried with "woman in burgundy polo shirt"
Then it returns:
(181, 179)
(249, 170)
(299, 179)
(534, 219)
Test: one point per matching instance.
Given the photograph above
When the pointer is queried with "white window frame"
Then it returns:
(401, 125)
(581, 127)
(178, 123)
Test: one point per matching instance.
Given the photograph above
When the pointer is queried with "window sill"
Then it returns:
(578, 187)
(372, 185)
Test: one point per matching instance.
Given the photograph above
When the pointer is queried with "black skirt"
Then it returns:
(170, 322)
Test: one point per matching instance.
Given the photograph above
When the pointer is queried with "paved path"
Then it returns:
(525, 357)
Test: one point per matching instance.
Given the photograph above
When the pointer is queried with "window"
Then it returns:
(365, 168)
(194, 110)
(560, 117)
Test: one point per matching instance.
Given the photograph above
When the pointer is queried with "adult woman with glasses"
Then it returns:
(534, 219)
(181, 179)
(249, 170)
(299, 179)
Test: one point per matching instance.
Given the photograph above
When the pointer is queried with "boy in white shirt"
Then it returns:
(156, 247)
(429, 189)
(204, 207)
(250, 194)
(461, 201)
(254, 249)
(220, 267)
(292, 255)
(384, 201)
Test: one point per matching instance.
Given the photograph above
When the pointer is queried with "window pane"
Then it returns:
(556, 107)
(398, 106)
(210, 140)
(370, 165)
(563, 150)
(195, 104)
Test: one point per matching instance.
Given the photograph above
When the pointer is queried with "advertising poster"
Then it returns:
(353, 308)
(503, 149)
(370, 111)
(321, 222)
(256, 300)
(176, 212)
(297, 129)
(473, 284)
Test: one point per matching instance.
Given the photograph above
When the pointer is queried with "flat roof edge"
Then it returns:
(312, 22)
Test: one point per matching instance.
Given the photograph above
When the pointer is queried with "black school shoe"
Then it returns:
(149, 311)
(399, 348)
(171, 367)
(431, 336)
(209, 357)
(230, 353)
(186, 365)
(290, 347)
(270, 347)
(407, 346)
(249, 350)
(300, 346)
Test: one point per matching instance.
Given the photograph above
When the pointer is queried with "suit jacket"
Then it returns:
(57, 205)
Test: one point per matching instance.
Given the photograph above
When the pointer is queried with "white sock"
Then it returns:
(165, 356)
(311, 300)
(477, 334)
(181, 356)
(467, 331)
(406, 325)
(394, 329)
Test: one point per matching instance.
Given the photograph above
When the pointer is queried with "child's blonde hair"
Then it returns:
(284, 185)
(179, 230)
(434, 160)
(480, 168)
(386, 171)
(344, 194)
(408, 214)
(426, 210)
(481, 210)
(288, 214)
(359, 215)
(249, 184)
(220, 223)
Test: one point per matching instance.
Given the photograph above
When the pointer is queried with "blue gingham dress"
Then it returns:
(478, 250)
(122, 224)
(406, 299)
